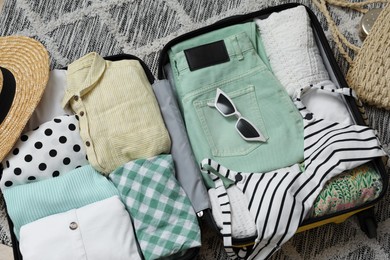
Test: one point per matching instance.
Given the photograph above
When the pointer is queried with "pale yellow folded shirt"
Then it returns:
(120, 119)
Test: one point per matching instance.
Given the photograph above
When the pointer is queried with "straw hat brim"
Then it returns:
(27, 61)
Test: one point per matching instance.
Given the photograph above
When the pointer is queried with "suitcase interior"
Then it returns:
(364, 212)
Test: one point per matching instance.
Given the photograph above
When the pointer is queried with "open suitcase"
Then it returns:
(193, 53)
(187, 164)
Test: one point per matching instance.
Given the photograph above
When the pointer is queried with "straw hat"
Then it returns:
(24, 72)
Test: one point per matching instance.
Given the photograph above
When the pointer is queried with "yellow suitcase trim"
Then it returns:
(337, 219)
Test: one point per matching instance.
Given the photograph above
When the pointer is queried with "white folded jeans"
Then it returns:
(98, 231)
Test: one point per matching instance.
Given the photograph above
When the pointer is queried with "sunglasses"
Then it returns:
(247, 130)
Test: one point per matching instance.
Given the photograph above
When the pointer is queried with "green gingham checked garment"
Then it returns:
(164, 220)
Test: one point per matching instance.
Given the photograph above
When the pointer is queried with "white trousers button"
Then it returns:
(73, 225)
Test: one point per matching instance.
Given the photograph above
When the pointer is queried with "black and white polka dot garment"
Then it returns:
(52, 149)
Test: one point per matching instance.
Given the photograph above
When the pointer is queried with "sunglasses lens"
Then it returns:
(224, 105)
(247, 129)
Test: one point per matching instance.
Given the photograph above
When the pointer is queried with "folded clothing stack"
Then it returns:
(56, 174)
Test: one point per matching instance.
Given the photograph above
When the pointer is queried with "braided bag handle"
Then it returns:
(338, 37)
(368, 71)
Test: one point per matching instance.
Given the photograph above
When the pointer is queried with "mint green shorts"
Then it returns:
(257, 94)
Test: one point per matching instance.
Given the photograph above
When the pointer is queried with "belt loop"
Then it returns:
(179, 63)
(237, 48)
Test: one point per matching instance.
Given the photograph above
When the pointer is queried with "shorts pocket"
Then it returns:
(220, 131)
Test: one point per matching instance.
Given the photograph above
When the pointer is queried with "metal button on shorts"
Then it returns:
(73, 225)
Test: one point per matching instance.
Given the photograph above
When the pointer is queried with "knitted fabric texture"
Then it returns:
(292, 49)
(370, 71)
(243, 224)
(78, 188)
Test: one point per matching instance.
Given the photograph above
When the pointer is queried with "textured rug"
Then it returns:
(70, 29)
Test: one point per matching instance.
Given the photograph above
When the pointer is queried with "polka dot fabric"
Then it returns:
(52, 149)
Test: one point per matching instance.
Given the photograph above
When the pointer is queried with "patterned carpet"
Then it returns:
(70, 29)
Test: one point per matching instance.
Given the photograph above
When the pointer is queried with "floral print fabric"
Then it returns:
(347, 190)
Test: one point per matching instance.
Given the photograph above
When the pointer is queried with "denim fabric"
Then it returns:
(257, 94)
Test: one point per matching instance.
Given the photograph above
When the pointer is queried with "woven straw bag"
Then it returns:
(369, 70)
